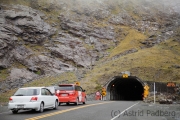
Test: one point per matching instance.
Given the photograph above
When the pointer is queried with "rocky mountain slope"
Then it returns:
(39, 38)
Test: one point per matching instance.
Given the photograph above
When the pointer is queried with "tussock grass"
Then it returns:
(3, 74)
(132, 40)
(22, 2)
(4, 97)
(50, 80)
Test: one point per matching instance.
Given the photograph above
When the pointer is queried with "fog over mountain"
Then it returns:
(167, 4)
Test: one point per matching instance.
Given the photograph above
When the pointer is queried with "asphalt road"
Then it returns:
(102, 110)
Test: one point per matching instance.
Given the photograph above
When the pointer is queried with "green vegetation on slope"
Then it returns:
(3, 74)
(12, 2)
(152, 64)
(132, 40)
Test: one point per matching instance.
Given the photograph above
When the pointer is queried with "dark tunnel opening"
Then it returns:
(130, 89)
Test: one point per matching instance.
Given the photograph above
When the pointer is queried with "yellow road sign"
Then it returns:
(125, 75)
(103, 93)
(103, 89)
(146, 91)
(146, 87)
(171, 84)
(77, 83)
(145, 96)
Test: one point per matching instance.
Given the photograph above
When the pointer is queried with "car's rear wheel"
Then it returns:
(77, 101)
(55, 105)
(41, 109)
(85, 101)
(33, 110)
(59, 103)
(14, 111)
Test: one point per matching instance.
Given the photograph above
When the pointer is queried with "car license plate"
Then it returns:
(63, 94)
(20, 106)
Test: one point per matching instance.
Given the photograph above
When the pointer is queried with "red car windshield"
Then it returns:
(66, 87)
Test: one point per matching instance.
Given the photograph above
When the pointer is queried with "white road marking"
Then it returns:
(4, 112)
(124, 111)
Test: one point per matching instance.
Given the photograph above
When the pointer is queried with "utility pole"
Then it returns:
(154, 84)
(154, 93)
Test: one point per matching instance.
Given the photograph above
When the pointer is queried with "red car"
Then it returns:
(71, 93)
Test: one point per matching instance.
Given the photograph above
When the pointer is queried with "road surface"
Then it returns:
(101, 110)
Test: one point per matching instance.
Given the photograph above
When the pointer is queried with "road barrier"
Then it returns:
(98, 96)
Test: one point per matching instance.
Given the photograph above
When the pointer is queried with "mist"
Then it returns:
(95, 4)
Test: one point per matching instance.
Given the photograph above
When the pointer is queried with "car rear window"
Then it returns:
(66, 87)
(53, 89)
(27, 92)
(57, 88)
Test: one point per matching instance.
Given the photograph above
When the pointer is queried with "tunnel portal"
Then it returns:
(130, 88)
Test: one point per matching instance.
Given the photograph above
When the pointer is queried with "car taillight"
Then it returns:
(33, 99)
(10, 99)
(56, 93)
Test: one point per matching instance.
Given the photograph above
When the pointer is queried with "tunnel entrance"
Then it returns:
(130, 88)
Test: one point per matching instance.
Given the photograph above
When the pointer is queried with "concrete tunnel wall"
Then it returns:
(120, 88)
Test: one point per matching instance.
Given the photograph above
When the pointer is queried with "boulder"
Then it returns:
(21, 73)
(51, 66)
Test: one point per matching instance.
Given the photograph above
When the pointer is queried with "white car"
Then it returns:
(32, 98)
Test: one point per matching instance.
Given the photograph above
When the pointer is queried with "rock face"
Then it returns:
(27, 22)
(20, 28)
(32, 44)
(83, 30)
(72, 49)
(23, 31)
(122, 19)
